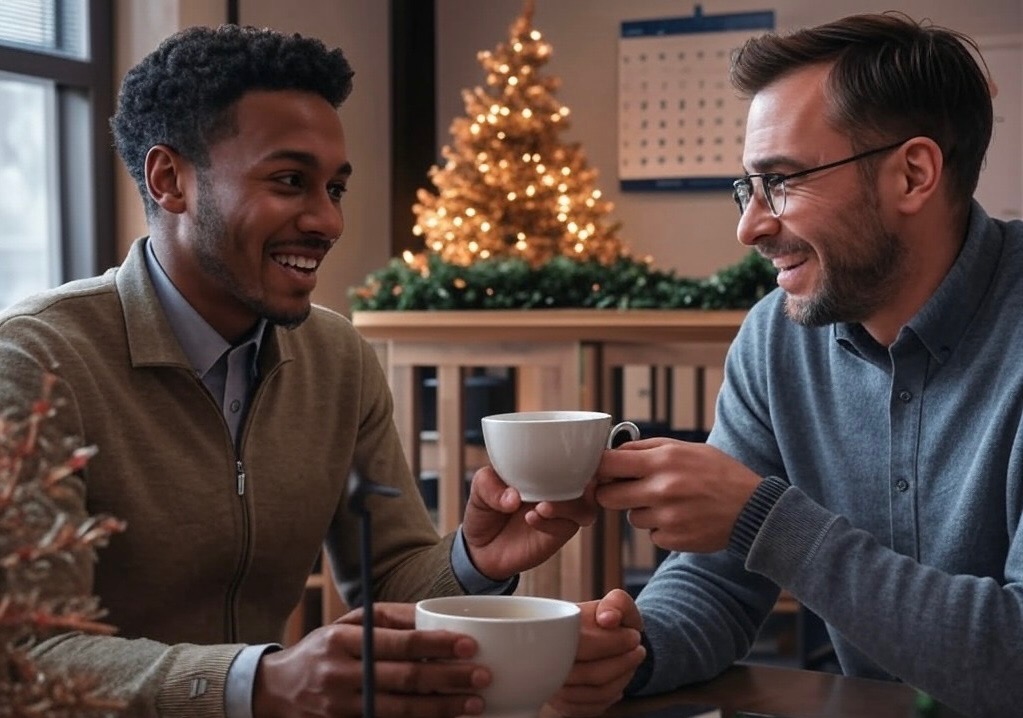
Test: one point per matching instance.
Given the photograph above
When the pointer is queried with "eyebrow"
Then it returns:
(772, 164)
(307, 159)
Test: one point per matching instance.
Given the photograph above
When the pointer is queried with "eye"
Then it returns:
(292, 180)
(336, 190)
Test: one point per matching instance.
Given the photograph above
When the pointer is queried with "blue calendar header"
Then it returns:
(699, 22)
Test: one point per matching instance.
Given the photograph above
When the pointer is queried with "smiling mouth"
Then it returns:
(782, 267)
(297, 262)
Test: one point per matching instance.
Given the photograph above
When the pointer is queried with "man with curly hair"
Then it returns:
(229, 413)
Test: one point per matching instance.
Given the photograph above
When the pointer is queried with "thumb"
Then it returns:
(618, 609)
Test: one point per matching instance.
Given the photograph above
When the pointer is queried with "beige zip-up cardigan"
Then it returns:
(219, 542)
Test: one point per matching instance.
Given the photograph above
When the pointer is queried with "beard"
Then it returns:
(211, 234)
(857, 279)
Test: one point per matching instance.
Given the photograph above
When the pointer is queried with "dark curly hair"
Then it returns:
(892, 78)
(181, 95)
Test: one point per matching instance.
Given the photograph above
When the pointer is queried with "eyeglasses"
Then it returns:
(773, 183)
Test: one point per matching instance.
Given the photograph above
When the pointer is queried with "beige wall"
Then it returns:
(692, 232)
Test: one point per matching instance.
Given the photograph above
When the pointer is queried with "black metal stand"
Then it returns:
(358, 490)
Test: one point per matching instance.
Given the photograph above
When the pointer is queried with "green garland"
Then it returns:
(559, 283)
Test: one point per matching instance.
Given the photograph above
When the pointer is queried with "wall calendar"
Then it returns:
(680, 122)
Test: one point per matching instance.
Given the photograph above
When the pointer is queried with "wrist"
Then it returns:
(753, 514)
(266, 700)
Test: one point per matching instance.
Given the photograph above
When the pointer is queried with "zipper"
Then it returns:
(230, 612)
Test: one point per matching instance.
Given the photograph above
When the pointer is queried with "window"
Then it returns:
(56, 163)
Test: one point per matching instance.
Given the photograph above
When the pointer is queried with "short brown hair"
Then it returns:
(892, 78)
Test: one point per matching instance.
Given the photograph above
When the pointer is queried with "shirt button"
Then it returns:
(901, 484)
(235, 406)
(905, 396)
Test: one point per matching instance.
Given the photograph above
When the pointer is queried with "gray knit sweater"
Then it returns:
(901, 527)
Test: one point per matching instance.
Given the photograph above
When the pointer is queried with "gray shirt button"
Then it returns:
(905, 396)
(235, 406)
(901, 484)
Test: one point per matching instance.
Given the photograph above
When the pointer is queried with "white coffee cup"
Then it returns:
(528, 643)
(550, 455)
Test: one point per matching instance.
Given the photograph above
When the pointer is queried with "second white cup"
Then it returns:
(550, 455)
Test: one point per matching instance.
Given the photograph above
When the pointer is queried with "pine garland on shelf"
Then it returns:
(424, 282)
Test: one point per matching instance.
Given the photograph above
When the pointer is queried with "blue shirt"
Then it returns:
(901, 528)
(231, 372)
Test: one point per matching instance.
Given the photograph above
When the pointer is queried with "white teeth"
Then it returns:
(294, 260)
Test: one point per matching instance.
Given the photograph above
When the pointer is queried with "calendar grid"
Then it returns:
(680, 123)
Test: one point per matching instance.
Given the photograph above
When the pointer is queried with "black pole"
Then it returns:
(358, 490)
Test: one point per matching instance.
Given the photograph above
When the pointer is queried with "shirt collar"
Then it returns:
(203, 345)
(942, 321)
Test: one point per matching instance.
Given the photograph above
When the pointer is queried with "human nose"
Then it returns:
(322, 216)
(757, 221)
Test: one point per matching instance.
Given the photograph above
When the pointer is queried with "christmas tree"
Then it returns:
(510, 187)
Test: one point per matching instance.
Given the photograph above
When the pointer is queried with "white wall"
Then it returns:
(693, 233)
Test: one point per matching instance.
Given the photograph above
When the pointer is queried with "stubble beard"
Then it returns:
(854, 285)
(211, 233)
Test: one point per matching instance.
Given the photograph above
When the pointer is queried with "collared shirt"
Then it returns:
(231, 372)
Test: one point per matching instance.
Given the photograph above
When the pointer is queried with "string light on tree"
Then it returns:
(509, 186)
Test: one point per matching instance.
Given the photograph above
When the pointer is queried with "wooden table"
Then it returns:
(563, 360)
(783, 692)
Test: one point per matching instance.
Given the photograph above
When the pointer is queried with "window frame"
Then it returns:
(85, 171)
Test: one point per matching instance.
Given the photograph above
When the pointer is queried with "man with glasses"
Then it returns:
(867, 453)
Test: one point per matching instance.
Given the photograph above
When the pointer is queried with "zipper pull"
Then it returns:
(240, 473)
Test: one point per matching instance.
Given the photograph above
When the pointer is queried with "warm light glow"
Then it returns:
(517, 47)
(501, 135)
(408, 256)
(470, 212)
(540, 169)
(442, 211)
(474, 246)
(530, 191)
(484, 168)
(475, 129)
(521, 236)
(512, 196)
(564, 111)
(566, 171)
(494, 109)
(513, 80)
(527, 113)
(579, 247)
(535, 35)
(562, 188)
(521, 245)
(485, 226)
(573, 227)
(457, 221)
(502, 68)
(596, 194)
(417, 231)
(526, 157)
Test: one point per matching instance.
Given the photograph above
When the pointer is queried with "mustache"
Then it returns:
(769, 249)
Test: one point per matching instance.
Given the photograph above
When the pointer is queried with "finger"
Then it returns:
(600, 683)
(622, 495)
(385, 615)
(598, 643)
(401, 644)
(488, 490)
(428, 677)
(618, 608)
(621, 607)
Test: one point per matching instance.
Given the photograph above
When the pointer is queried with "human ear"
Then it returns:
(919, 173)
(165, 174)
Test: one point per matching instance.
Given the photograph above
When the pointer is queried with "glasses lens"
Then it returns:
(774, 190)
(743, 188)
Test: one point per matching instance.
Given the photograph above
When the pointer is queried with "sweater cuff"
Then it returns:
(752, 516)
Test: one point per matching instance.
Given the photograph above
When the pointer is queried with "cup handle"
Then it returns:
(627, 426)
